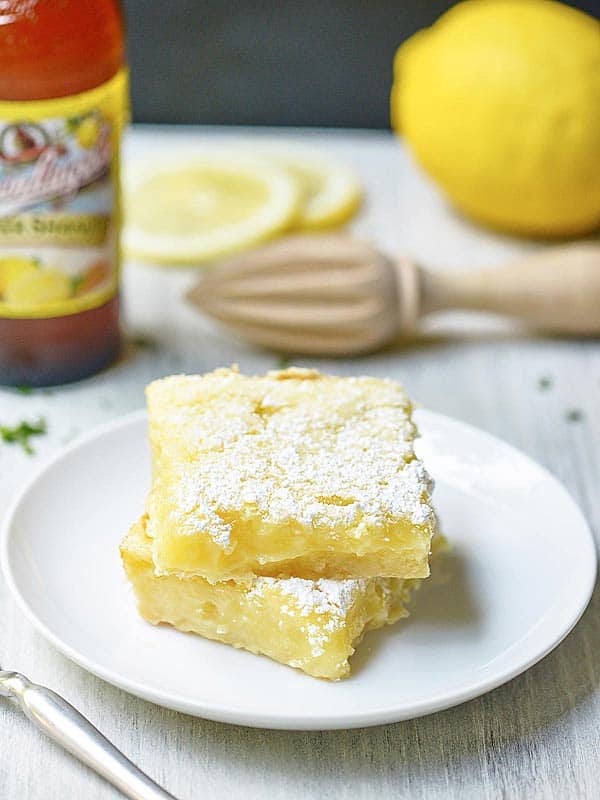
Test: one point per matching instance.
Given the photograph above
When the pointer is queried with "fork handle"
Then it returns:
(65, 725)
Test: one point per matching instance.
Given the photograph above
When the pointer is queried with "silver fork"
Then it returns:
(65, 725)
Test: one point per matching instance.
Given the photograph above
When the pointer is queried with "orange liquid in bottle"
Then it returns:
(53, 49)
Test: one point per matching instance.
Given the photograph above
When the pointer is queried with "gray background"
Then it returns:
(271, 63)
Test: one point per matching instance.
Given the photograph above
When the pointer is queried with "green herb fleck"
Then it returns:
(143, 341)
(22, 432)
(574, 415)
(283, 362)
(24, 389)
(545, 382)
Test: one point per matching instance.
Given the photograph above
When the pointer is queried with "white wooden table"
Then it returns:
(537, 737)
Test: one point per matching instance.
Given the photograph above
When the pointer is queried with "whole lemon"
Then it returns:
(500, 102)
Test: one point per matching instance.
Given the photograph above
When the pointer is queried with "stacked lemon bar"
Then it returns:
(287, 514)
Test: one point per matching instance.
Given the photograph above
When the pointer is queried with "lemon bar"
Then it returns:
(292, 474)
(312, 625)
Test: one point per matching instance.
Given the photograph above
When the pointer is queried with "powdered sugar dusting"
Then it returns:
(329, 600)
(322, 596)
(291, 446)
(323, 606)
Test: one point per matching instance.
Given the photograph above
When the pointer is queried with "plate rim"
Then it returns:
(229, 714)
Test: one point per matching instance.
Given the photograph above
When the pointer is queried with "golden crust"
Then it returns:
(314, 626)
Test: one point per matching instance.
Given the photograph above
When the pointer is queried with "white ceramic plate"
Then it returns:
(519, 575)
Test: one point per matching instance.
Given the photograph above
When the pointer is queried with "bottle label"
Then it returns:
(59, 201)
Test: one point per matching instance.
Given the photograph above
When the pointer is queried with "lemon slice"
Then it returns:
(331, 192)
(200, 207)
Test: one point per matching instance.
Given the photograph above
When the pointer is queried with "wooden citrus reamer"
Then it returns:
(333, 295)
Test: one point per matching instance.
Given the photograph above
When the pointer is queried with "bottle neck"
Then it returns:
(50, 49)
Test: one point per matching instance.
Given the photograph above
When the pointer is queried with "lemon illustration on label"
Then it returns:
(14, 267)
(39, 288)
(88, 132)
